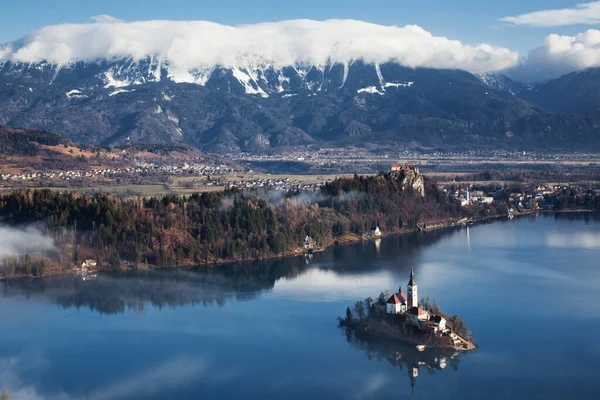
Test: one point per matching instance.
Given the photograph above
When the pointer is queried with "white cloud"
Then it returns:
(200, 44)
(587, 13)
(560, 55)
(106, 19)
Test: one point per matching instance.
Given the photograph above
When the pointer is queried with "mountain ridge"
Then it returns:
(266, 109)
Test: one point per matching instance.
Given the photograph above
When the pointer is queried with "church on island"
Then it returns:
(400, 303)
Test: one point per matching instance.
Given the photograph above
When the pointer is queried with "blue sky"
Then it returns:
(471, 21)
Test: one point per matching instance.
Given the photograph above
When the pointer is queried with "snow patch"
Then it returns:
(396, 85)
(116, 92)
(380, 76)
(75, 94)
(346, 71)
(246, 81)
(370, 89)
(286, 96)
(172, 117)
(110, 81)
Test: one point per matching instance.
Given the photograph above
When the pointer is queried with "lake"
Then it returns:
(529, 289)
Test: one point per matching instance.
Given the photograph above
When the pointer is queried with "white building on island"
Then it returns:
(397, 303)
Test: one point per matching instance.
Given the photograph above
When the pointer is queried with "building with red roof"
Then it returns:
(397, 303)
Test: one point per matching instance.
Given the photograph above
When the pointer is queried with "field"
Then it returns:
(191, 184)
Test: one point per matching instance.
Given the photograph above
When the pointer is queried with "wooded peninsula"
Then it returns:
(209, 228)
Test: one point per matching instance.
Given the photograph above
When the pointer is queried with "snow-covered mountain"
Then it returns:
(261, 107)
(261, 80)
(504, 83)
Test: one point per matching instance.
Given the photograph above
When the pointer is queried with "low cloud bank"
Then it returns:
(560, 55)
(16, 241)
(189, 45)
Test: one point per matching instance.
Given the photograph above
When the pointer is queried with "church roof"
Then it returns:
(397, 298)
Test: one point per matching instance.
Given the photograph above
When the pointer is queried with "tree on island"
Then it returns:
(359, 309)
(459, 326)
(384, 296)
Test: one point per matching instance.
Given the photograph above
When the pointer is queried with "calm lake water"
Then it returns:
(528, 288)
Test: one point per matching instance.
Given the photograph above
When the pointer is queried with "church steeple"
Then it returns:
(412, 282)
(413, 297)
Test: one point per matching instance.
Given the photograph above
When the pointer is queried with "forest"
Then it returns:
(209, 228)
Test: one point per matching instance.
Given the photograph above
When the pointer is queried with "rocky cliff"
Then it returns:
(411, 178)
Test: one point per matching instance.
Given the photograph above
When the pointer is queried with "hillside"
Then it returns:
(225, 226)
(577, 92)
(25, 150)
(29, 142)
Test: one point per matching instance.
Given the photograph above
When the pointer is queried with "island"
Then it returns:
(401, 317)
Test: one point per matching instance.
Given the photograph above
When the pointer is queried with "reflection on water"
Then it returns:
(114, 293)
(404, 356)
(267, 329)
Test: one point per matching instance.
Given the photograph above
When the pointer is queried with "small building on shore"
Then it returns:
(308, 243)
(375, 232)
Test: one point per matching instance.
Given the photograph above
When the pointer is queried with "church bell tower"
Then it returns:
(411, 289)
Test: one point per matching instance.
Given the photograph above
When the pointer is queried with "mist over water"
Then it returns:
(269, 329)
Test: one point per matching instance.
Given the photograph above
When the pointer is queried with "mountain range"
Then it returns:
(262, 108)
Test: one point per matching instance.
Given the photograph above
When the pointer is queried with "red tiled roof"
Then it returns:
(397, 298)
(417, 311)
(394, 300)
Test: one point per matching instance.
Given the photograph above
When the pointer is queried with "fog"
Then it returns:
(22, 240)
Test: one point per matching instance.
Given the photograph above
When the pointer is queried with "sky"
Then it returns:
(470, 21)
(521, 26)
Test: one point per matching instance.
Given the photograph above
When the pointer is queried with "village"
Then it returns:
(520, 198)
(139, 169)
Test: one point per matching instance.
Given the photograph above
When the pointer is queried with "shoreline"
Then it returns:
(299, 251)
(375, 330)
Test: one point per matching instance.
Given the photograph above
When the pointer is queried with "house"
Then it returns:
(418, 316)
(437, 323)
(375, 232)
(308, 242)
(396, 168)
(88, 264)
(485, 200)
(397, 303)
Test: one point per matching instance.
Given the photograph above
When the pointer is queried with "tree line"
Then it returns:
(212, 227)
